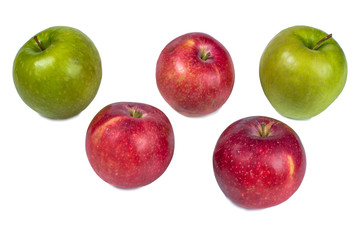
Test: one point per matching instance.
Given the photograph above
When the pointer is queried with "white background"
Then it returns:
(48, 189)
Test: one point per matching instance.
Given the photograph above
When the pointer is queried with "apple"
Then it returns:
(195, 74)
(259, 162)
(129, 145)
(57, 72)
(302, 71)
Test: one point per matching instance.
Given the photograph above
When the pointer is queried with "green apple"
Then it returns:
(302, 71)
(58, 72)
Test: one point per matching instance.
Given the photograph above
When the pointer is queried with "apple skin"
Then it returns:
(259, 162)
(130, 145)
(192, 82)
(60, 80)
(298, 81)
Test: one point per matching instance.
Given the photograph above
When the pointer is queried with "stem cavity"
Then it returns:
(204, 55)
(264, 131)
(321, 41)
(38, 43)
(136, 113)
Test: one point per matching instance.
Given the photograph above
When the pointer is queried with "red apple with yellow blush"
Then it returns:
(259, 162)
(130, 145)
(195, 74)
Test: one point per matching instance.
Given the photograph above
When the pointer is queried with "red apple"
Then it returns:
(195, 74)
(259, 162)
(130, 145)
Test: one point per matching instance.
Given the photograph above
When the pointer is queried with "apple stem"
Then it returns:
(263, 132)
(136, 113)
(38, 43)
(204, 55)
(321, 41)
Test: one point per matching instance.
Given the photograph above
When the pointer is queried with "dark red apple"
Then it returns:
(259, 162)
(195, 74)
(130, 145)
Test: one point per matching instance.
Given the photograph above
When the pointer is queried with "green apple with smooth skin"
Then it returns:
(58, 72)
(302, 71)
